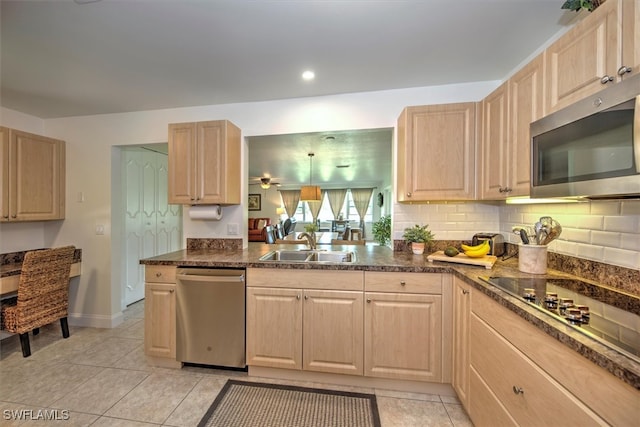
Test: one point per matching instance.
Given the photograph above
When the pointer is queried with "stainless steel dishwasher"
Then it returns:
(211, 316)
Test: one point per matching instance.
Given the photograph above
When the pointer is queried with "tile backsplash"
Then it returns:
(603, 231)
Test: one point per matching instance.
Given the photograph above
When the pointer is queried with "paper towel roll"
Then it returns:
(211, 212)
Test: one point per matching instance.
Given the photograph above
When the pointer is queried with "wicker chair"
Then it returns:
(43, 295)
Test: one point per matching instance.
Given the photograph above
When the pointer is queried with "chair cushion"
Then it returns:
(261, 223)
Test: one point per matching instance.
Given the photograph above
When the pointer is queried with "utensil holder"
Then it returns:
(532, 259)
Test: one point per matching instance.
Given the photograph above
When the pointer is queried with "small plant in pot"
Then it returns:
(418, 236)
(381, 230)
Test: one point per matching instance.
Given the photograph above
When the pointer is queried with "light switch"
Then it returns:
(232, 229)
(99, 229)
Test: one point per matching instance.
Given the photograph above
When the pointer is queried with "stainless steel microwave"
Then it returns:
(590, 149)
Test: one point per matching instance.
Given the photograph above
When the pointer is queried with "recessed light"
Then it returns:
(308, 75)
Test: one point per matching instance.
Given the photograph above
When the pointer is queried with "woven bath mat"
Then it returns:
(248, 404)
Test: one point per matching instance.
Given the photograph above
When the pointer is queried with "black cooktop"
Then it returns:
(607, 315)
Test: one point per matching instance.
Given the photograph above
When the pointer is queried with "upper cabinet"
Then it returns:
(600, 50)
(204, 163)
(33, 177)
(507, 113)
(436, 152)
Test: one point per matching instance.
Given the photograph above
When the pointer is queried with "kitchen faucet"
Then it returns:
(311, 239)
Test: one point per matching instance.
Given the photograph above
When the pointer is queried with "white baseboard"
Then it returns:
(94, 320)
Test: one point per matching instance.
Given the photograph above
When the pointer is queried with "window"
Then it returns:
(349, 212)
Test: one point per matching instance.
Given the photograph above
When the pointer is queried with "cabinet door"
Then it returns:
(576, 63)
(526, 105)
(461, 310)
(436, 152)
(160, 320)
(485, 408)
(630, 38)
(495, 121)
(218, 162)
(333, 331)
(403, 336)
(36, 177)
(181, 159)
(274, 327)
(4, 174)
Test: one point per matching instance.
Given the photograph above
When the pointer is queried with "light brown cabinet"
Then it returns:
(204, 163)
(312, 328)
(505, 164)
(403, 333)
(600, 50)
(160, 313)
(538, 380)
(461, 312)
(32, 168)
(436, 152)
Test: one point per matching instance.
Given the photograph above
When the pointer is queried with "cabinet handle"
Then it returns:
(369, 300)
(306, 297)
(464, 292)
(624, 70)
(518, 390)
(14, 216)
(606, 79)
(171, 291)
(409, 194)
(298, 296)
(505, 189)
(402, 283)
(158, 274)
(6, 216)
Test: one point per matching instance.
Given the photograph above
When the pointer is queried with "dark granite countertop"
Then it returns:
(376, 258)
(11, 263)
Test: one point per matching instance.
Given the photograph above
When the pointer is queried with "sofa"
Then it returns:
(256, 229)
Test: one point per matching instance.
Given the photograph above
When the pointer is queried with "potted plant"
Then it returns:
(577, 5)
(418, 236)
(381, 230)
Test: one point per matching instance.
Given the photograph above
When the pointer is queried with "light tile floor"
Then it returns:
(99, 377)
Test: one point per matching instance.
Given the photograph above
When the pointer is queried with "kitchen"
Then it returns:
(604, 231)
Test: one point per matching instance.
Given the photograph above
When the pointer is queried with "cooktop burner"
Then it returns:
(605, 314)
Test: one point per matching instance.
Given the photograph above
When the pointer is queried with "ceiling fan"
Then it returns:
(265, 182)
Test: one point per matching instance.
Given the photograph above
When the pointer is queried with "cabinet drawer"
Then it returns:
(414, 283)
(528, 393)
(160, 274)
(339, 280)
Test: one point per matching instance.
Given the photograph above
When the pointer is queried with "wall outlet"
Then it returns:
(99, 229)
(232, 229)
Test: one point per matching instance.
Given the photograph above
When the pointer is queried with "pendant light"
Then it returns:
(310, 193)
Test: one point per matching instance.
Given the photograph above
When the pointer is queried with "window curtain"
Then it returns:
(290, 200)
(336, 200)
(314, 207)
(361, 198)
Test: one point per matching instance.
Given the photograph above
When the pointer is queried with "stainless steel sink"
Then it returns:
(309, 256)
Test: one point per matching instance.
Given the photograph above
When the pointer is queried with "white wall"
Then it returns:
(89, 168)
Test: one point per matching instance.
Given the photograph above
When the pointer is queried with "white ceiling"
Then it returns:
(59, 58)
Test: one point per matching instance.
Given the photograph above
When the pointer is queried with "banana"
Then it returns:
(479, 252)
(474, 248)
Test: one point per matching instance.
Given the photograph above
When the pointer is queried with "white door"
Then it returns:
(152, 226)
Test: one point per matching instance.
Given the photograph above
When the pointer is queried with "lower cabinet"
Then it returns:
(376, 324)
(403, 326)
(521, 376)
(315, 329)
(461, 312)
(160, 312)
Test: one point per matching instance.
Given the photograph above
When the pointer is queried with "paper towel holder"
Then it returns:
(206, 212)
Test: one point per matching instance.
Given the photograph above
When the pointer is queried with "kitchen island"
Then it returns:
(624, 369)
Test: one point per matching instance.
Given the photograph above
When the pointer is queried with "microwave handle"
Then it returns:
(636, 134)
